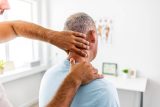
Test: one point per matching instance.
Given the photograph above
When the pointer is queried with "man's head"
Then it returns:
(4, 5)
(81, 22)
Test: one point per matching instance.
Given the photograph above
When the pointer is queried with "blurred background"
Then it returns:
(129, 37)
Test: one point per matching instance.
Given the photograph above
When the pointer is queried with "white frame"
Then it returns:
(112, 66)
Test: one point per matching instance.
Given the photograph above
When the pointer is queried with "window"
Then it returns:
(21, 50)
(2, 52)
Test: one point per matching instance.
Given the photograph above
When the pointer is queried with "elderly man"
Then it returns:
(99, 93)
(67, 40)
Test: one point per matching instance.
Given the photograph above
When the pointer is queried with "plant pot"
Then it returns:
(126, 75)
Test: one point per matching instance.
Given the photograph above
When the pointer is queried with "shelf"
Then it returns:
(137, 84)
(20, 73)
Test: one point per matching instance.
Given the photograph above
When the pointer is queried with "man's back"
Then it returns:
(98, 93)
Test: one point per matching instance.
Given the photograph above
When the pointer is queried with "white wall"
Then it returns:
(136, 40)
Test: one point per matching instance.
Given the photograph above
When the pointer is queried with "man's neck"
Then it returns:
(77, 57)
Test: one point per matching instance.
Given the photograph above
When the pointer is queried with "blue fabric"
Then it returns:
(99, 93)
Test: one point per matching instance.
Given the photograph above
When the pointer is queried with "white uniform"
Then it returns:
(4, 102)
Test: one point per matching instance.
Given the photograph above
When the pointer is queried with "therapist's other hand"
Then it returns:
(83, 72)
(70, 41)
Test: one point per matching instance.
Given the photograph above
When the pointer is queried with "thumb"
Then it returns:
(72, 61)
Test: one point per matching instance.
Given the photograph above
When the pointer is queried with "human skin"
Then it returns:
(85, 77)
(76, 77)
(4, 5)
(66, 40)
(74, 42)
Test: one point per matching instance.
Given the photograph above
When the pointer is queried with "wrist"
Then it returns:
(72, 77)
(51, 36)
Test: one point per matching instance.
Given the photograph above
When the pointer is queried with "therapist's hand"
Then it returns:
(80, 74)
(70, 41)
(83, 72)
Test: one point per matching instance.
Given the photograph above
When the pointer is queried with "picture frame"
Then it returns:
(109, 68)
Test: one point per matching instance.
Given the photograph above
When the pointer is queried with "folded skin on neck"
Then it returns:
(78, 58)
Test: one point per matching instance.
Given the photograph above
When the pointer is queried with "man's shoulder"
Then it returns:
(60, 66)
(102, 93)
(100, 84)
(57, 70)
(101, 88)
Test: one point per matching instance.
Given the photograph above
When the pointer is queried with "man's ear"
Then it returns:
(92, 36)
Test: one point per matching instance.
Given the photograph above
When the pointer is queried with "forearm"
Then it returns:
(10, 30)
(66, 93)
(6, 32)
(30, 30)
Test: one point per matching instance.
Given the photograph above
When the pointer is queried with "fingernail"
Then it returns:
(71, 59)
(86, 55)
(88, 43)
(85, 35)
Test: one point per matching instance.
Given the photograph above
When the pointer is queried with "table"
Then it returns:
(136, 84)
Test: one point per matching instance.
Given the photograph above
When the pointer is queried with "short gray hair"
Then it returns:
(79, 22)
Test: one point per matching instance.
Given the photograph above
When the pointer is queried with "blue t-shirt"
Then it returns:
(98, 93)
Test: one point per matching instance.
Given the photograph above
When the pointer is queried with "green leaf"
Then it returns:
(125, 71)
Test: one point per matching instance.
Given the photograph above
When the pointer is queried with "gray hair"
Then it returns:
(79, 22)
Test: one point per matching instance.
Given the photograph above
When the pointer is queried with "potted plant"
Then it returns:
(125, 73)
(1, 66)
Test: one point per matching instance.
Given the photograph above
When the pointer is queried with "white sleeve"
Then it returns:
(4, 102)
